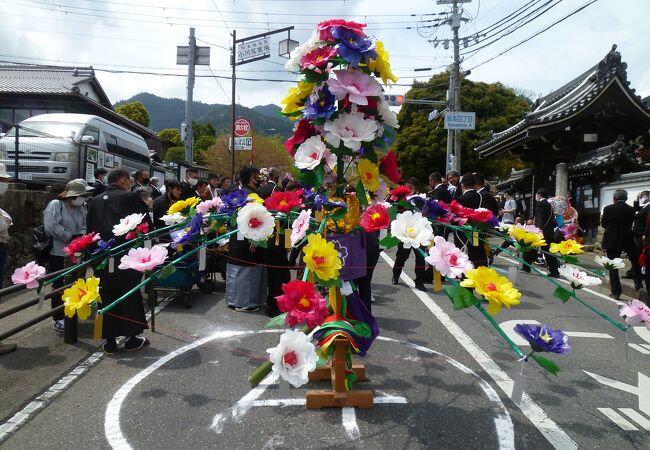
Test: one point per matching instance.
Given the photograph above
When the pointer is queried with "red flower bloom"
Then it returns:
(480, 215)
(388, 166)
(283, 201)
(302, 303)
(317, 58)
(79, 245)
(325, 28)
(399, 193)
(303, 131)
(143, 228)
(375, 218)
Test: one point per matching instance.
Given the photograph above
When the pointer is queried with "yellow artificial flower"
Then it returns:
(256, 198)
(381, 64)
(526, 238)
(321, 257)
(182, 205)
(568, 247)
(295, 100)
(497, 290)
(369, 173)
(78, 297)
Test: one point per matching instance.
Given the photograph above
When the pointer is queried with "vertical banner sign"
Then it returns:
(244, 135)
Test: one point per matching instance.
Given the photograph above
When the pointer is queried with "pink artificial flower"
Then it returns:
(143, 259)
(209, 205)
(300, 227)
(448, 259)
(324, 29)
(28, 275)
(636, 312)
(358, 85)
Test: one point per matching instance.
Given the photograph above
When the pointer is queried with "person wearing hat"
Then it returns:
(99, 185)
(5, 223)
(64, 219)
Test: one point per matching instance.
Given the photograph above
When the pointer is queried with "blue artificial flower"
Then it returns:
(193, 229)
(544, 339)
(354, 48)
(493, 222)
(322, 202)
(433, 209)
(233, 200)
(321, 104)
(102, 245)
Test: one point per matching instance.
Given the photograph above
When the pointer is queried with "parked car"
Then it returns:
(55, 148)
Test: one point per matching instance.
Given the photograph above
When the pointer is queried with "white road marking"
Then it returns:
(614, 383)
(642, 391)
(617, 419)
(551, 431)
(640, 349)
(637, 417)
(509, 328)
(349, 419)
(643, 333)
(45, 398)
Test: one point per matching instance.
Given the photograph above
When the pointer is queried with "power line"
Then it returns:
(222, 18)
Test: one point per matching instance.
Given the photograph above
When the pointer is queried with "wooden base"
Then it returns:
(325, 373)
(317, 399)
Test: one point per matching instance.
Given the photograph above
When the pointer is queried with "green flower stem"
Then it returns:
(602, 315)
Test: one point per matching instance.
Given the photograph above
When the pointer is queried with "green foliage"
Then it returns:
(277, 321)
(175, 154)
(203, 130)
(461, 297)
(171, 135)
(547, 364)
(421, 145)
(562, 294)
(135, 111)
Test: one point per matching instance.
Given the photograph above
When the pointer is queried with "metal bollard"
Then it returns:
(71, 330)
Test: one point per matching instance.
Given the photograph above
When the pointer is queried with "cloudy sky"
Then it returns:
(141, 36)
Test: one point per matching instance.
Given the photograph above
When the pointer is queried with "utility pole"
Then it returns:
(189, 135)
(233, 105)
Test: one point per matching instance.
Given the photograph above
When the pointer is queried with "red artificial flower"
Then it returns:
(325, 28)
(303, 131)
(375, 218)
(283, 201)
(399, 193)
(480, 215)
(388, 166)
(143, 228)
(317, 58)
(302, 303)
(79, 244)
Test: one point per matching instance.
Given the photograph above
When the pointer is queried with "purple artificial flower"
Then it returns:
(433, 210)
(493, 222)
(544, 339)
(102, 245)
(353, 47)
(193, 228)
(233, 200)
(321, 104)
(322, 202)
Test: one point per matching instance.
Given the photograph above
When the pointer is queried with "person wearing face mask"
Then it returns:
(99, 184)
(188, 185)
(544, 219)
(64, 219)
(161, 204)
(141, 179)
(153, 186)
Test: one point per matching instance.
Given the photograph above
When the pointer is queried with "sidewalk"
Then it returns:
(627, 285)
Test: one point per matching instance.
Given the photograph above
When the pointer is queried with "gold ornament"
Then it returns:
(351, 219)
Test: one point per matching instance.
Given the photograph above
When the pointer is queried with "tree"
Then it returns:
(203, 129)
(135, 111)
(175, 154)
(421, 145)
(171, 135)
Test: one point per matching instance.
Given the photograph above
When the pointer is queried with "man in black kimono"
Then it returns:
(471, 199)
(544, 220)
(126, 318)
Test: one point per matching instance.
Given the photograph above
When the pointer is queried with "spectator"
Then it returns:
(438, 189)
(161, 204)
(487, 199)
(145, 196)
(225, 185)
(141, 178)
(203, 190)
(509, 209)
(522, 210)
(100, 184)
(214, 182)
(188, 185)
(64, 219)
(471, 199)
(273, 177)
(153, 185)
(453, 178)
(544, 219)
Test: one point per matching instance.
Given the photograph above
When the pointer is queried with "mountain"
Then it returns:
(170, 113)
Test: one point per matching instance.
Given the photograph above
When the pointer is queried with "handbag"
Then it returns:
(41, 241)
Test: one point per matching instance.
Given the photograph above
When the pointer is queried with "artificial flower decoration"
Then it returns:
(143, 228)
(309, 154)
(435, 210)
(497, 290)
(448, 259)
(128, 223)
(369, 173)
(255, 222)
(173, 219)
(300, 227)
(399, 193)
(321, 257)
(302, 303)
(542, 338)
(303, 131)
(283, 201)
(324, 29)
(183, 206)
(388, 166)
(357, 86)
(78, 297)
(254, 198)
(526, 237)
(609, 264)
(380, 64)
(187, 234)
(636, 312)
(355, 48)
(102, 245)
(318, 59)
(143, 259)
(375, 218)
(577, 278)
(80, 244)
(412, 229)
(293, 64)
(321, 104)
(29, 274)
(568, 247)
(478, 215)
(233, 201)
(351, 129)
(294, 102)
(208, 206)
(294, 357)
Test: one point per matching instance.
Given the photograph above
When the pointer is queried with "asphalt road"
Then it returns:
(441, 378)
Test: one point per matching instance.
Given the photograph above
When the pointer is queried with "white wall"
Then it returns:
(632, 188)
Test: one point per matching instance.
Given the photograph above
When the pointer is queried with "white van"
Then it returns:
(56, 148)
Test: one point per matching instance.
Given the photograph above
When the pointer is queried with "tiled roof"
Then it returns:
(515, 176)
(566, 101)
(618, 152)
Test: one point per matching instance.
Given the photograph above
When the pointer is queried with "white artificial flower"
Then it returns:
(577, 278)
(300, 226)
(294, 357)
(309, 153)
(412, 229)
(128, 223)
(293, 64)
(173, 219)
(504, 227)
(388, 115)
(352, 129)
(255, 222)
(609, 264)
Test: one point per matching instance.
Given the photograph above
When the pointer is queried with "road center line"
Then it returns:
(549, 429)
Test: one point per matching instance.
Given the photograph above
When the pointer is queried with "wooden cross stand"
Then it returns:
(339, 396)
